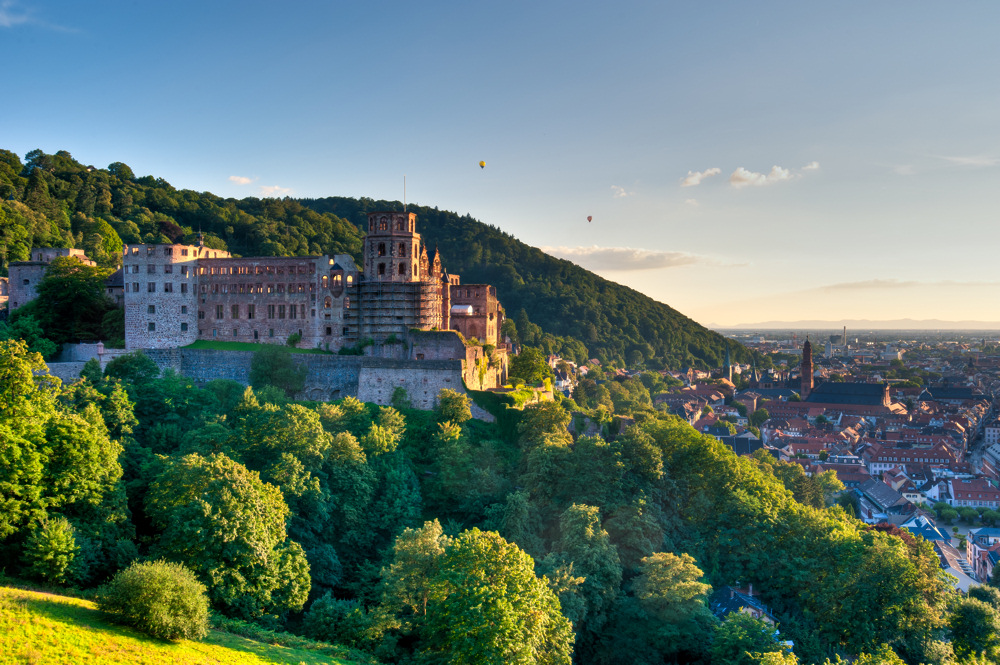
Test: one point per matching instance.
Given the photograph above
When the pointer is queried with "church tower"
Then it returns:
(806, 370)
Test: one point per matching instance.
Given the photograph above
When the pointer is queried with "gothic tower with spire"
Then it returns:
(806, 370)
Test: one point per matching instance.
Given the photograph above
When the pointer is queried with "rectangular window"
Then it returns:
(270, 333)
(184, 287)
(235, 332)
(168, 268)
(201, 314)
(215, 288)
(168, 251)
(184, 327)
(151, 287)
(218, 311)
(302, 311)
(152, 326)
(135, 287)
(184, 269)
(215, 332)
(292, 312)
(250, 311)
(151, 309)
(184, 309)
(184, 252)
(135, 269)
(281, 311)
(168, 287)
(270, 311)
(235, 311)
(281, 288)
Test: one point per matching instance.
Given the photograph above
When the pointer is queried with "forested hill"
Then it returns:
(613, 321)
(55, 201)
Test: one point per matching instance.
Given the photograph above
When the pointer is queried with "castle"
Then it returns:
(175, 295)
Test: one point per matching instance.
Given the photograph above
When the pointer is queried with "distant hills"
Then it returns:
(865, 324)
(54, 200)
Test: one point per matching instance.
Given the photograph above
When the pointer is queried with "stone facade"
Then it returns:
(176, 294)
(4, 292)
(24, 276)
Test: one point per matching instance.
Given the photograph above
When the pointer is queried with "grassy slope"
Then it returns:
(45, 628)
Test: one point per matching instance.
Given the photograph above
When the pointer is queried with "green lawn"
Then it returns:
(45, 628)
(241, 346)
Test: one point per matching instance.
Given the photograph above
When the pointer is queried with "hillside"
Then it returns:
(45, 628)
(53, 200)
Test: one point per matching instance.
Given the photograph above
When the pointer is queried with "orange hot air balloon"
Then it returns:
(590, 218)
(482, 165)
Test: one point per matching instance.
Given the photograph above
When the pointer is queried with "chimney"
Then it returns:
(751, 590)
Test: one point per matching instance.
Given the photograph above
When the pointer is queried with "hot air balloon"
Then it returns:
(482, 165)
(590, 218)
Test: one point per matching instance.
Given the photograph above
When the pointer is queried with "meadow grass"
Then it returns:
(44, 628)
(242, 346)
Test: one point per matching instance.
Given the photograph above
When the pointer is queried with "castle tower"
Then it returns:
(392, 249)
(806, 369)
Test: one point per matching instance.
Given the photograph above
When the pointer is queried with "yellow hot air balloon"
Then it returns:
(482, 165)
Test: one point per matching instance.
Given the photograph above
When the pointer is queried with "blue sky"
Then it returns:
(742, 161)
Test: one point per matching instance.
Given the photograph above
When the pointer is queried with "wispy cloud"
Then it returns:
(869, 284)
(742, 177)
(11, 15)
(240, 180)
(972, 160)
(620, 192)
(622, 258)
(274, 191)
(811, 166)
(694, 178)
(692, 202)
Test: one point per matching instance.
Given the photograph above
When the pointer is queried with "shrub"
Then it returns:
(50, 550)
(336, 621)
(159, 598)
(294, 339)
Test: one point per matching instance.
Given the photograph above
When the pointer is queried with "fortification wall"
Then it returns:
(83, 352)
(422, 380)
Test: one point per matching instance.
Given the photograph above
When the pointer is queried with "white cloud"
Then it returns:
(694, 178)
(620, 192)
(904, 169)
(10, 16)
(973, 160)
(274, 191)
(741, 177)
(622, 258)
(811, 166)
(692, 202)
(871, 284)
(240, 180)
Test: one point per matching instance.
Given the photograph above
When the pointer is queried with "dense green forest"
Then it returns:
(426, 536)
(55, 201)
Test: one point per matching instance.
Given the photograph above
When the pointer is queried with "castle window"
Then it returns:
(184, 327)
(399, 224)
(281, 311)
(168, 268)
(302, 313)
(255, 334)
(270, 312)
(135, 250)
(381, 249)
(225, 288)
(152, 326)
(329, 331)
(151, 287)
(402, 268)
(215, 332)
(201, 314)
(250, 311)
(135, 268)
(281, 288)
(280, 270)
(168, 251)
(328, 303)
(184, 309)
(168, 287)
(381, 268)
(149, 251)
(184, 270)
(151, 309)
(184, 252)
(414, 270)
(184, 288)
(204, 288)
(402, 249)
(324, 282)
(235, 332)
(270, 333)
(347, 303)
(350, 278)
(235, 311)
(219, 312)
(135, 287)
(292, 312)
(270, 288)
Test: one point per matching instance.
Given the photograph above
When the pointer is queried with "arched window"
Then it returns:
(402, 268)
(381, 268)
(336, 280)
(381, 249)
(399, 224)
(325, 281)
(328, 302)
(382, 224)
(402, 249)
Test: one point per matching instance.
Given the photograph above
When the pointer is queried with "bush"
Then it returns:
(159, 598)
(50, 550)
(336, 621)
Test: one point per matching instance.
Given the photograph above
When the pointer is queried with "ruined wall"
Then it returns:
(421, 379)
(23, 281)
(160, 295)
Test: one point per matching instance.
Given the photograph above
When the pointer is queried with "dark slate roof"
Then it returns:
(952, 392)
(774, 392)
(741, 445)
(727, 600)
(881, 493)
(923, 527)
(836, 392)
(115, 279)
